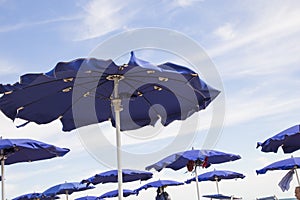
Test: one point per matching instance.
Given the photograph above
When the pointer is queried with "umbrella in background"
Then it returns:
(111, 176)
(26, 150)
(115, 193)
(217, 175)
(193, 159)
(66, 188)
(287, 164)
(34, 196)
(159, 183)
(87, 198)
(102, 86)
(288, 140)
(220, 196)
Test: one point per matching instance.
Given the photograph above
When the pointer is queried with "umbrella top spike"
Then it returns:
(115, 77)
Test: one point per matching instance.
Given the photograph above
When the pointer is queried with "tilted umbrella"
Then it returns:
(34, 196)
(220, 196)
(66, 188)
(193, 158)
(288, 140)
(128, 175)
(26, 150)
(287, 164)
(217, 175)
(115, 193)
(74, 90)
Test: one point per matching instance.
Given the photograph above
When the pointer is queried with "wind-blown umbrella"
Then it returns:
(288, 140)
(87, 198)
(196, 157)
(34, 196)
(111, 176)
(26, 150)
(115, 193)
(66, 188)
(217, 175)
(73, 90)
(286, 164)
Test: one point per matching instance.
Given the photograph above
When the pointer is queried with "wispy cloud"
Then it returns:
(102, 17)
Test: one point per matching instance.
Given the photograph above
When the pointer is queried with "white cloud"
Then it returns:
(102, 17)
(225, 32)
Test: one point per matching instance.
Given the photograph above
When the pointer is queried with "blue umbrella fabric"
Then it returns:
(115, 193)
(180, 160)
(26, 150)
(177, 88)
(288, 140)
(73, 90)
(87, 198)
(66, 188)
(220, 196)
(217, 175)
(34, 196)
(159, 183)
(287, 164)
(111, 176)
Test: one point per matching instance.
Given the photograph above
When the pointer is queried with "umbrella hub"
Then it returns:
(115, 77)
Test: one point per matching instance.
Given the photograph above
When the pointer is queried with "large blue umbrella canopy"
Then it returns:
(89, 91)
(217, 175)
(111, 176)
(26, 150)
(115, 193)
(288, 140)
(34, 196)
(286, 164)
(220, 196)
(66, 188)
(180, 160)
(159, 183)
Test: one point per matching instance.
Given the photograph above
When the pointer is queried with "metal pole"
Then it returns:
(2, 174)
(67, 195)
(297, 176)
(117, 108)
(216, 178)
(197, 186)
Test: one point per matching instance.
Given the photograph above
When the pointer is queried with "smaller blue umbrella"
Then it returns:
(159, 183)
(111, 176)
(286, 164)
(288, 140)
(220, 196)
(115, 193)
(66, 188)
(34, 196)
(87, 198)
(217, 175)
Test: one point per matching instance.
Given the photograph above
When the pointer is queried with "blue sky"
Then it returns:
(252, 44)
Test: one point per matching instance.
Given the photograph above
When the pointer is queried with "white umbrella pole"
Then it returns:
(67, 195)
(2, 175)
(218, 191)
(197, 185)
(117, 108)
(297, 176)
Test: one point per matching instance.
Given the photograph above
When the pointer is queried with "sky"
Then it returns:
(251, 47)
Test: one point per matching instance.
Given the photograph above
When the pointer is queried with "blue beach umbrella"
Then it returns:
(220, 196)
(288, 140)
(26, 150)
(115, 193)
(66, 188)
(87, 198)
(197, 157)
(111, 176)
(217, 175)
(74, 91)
(159, 183)
(34, 196)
